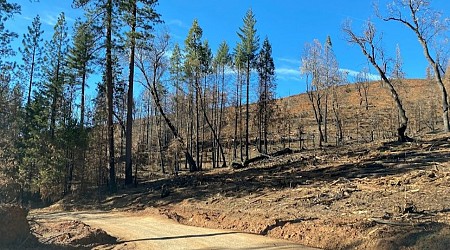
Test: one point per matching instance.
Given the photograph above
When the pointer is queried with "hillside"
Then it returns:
(420, 98)
(293, 125)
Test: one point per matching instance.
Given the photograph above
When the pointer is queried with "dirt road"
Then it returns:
(153, 232)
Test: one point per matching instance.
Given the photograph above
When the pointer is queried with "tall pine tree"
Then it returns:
(250, 46)
(266, 91)
(81, 56)
(32, 53)
(140, 15)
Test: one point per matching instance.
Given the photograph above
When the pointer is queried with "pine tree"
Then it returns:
(7, 10)
(140, 15)
(222, 60)
(193, 47)
(176, 71)
(266, 76)
(250, 45)
(32, 53)
(56, 68)
(81, 56)
(238, 63)
(11, 112)
(107, 8)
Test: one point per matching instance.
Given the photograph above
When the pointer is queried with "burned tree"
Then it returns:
(151, 62)
(427, 25)
(369, 44)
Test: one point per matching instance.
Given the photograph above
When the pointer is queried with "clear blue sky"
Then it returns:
(288, 24)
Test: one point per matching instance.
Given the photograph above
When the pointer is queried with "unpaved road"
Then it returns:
(153, 232)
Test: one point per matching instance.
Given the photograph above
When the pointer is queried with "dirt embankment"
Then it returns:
(14, 229)
(17, 232)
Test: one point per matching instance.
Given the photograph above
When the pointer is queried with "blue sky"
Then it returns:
(288, 24)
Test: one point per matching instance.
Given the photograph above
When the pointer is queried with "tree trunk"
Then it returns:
(247, 111)
(236, 118)
(31, 76)
(160, 144)
(197, 128)
(212, 128)
(110, 97)
(130, 102)
(153, 90)
(401, 112)
(439, 81)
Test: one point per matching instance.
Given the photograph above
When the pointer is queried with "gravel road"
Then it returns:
(154, 232)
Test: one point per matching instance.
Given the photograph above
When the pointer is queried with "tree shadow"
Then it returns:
(177, 237)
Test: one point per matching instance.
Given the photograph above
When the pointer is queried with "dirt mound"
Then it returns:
(14, 227)
(71, 233)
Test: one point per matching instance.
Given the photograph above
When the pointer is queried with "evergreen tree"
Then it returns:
(81, 56)
(266, 76)
(10, 106)
(238, 64)
(250, 45)
(222, 61)
(32, 53)
(140, 16)
(106, 20)
(192, 66)
(56, 68)
(176, 71)
(7, 10)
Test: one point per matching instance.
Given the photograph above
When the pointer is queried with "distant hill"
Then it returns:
(421, 99)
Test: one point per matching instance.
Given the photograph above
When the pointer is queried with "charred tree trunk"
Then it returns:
(130, 98)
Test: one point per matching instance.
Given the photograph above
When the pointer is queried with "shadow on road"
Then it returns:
(178, 237)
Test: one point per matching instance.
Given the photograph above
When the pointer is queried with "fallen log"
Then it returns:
(256, 159)
(239, 165)
(282, 152)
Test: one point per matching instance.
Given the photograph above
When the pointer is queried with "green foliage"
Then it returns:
(142, 15)
(206, 58)
(176, 64)
(266, 91)
(32, 54)
(238, 57)
(223, 56)
(82, 53)
(7, 10)
(249, 38)
(193, 46)
(266, 69)
(10, 106)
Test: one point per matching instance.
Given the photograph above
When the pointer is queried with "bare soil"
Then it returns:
(18, 232)
(382, 195)
(69, 234)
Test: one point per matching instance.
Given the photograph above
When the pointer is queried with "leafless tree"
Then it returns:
(311, 67)
(152, 63)
(427, 24)
(320, 66)
(369, 44)
(363, 85)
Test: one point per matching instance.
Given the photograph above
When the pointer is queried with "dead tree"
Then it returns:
(312, 67)
(369, 47)
(152, 65)
(426, 24)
